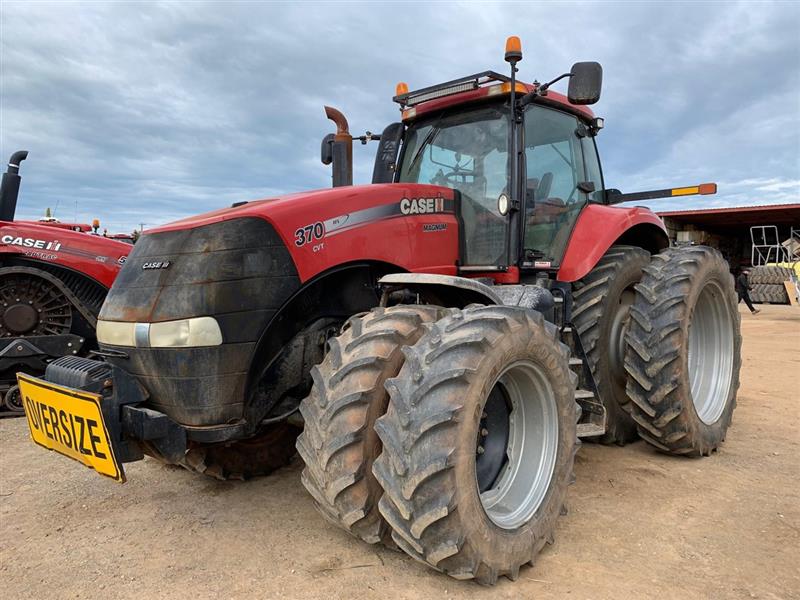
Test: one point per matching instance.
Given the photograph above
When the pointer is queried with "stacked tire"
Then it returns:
(767, 282)
(770, 275)
(768, 293)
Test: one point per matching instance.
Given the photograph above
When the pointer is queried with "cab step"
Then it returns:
(590, 429)
(592, 420)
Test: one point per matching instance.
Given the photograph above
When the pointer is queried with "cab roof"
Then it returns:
(474, 88)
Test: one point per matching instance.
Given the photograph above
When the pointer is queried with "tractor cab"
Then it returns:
(467, 148)
(462, 134)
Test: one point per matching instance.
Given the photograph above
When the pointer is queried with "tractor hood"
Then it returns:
(240, 266)
(325, 200)
(94, 255)
(312, 225)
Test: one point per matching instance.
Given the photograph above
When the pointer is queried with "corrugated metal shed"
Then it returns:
(737, 217)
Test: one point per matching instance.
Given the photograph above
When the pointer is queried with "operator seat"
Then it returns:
(542, 212)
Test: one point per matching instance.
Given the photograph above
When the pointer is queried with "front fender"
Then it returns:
(599, 227)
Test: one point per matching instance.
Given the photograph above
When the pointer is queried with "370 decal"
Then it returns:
(309, 233)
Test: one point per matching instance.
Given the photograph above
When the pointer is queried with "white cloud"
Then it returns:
(185, 107)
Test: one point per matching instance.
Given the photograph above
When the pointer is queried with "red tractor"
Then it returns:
(53, 280)
(439, 339)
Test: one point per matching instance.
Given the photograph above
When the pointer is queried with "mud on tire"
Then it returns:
(271, 449)
(339, 443)
(432, 434)
(684, 351)
(600, 314)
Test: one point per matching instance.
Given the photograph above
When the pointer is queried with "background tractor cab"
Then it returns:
(522, 158)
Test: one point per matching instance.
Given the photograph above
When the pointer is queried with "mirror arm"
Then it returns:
(367, 137)
(543, 90)
(539, 90)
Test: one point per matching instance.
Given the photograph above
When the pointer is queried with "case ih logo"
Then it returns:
(421, 206)
(162, 264)
(55, 245)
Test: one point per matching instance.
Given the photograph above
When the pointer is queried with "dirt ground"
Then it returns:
(640, 524)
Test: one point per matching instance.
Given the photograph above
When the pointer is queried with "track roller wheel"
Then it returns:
(683, 351)
(30, 305)
(479, 441)
(13, 400)
(339, 443)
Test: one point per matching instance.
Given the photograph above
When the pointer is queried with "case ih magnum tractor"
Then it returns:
(443, 336)
(53, 280)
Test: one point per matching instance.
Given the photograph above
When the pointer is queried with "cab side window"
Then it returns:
(554, 163)
(593, 172)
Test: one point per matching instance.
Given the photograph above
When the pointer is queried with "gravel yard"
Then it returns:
(640, 524)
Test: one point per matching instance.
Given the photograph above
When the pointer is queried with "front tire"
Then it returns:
(684, 351)
(480, 376)
(339, 443)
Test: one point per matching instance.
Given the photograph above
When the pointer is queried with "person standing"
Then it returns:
(743, 288)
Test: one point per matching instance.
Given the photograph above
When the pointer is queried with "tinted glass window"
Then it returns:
(554, 168)
(467, 151)
(593, 173)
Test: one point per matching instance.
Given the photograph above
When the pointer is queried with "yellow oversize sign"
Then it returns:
(69, 422)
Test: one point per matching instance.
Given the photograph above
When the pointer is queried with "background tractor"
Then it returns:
(439, 339)
(53, 280)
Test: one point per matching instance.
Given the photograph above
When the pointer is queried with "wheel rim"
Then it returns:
(531, 448)
(32, 306)
(710, 353)
(616, 338)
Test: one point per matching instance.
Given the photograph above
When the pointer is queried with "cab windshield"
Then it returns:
(466, 151)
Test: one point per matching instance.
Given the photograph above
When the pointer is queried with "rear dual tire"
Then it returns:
(601, 314)
(684, 351)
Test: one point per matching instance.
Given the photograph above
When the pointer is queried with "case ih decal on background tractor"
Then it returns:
(439, 339)
(53, 280)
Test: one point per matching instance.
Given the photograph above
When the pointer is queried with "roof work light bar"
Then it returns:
(615, 196)
(463, 84)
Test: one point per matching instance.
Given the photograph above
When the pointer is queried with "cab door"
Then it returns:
(562, 174)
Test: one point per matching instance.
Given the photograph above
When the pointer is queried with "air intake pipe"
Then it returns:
(9, 188)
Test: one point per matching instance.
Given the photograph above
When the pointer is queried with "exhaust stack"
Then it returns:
(9, 188)
(341, 149)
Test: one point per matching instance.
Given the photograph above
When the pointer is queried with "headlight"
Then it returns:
(184, 333)
(115, 333)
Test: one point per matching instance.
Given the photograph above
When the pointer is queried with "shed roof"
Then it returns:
(738, 216)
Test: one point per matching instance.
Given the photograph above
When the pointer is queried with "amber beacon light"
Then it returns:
(513, 49)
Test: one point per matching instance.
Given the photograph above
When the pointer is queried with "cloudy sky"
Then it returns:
(140, 112)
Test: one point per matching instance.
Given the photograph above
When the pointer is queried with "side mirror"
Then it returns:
(326, 151)
(585, 83)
